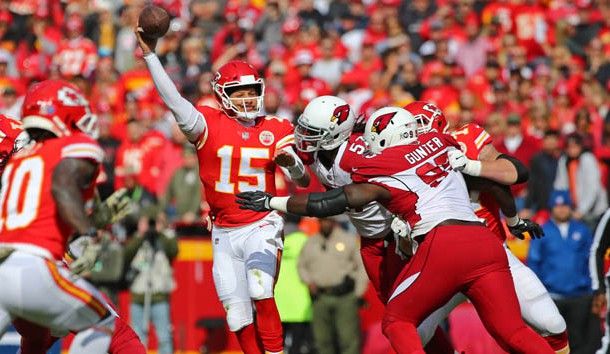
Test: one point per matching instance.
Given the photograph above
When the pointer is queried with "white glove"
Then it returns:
(400, 227)
(111, 210)
(461, 163)
(88, 252)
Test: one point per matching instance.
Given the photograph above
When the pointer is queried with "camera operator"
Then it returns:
(150, 252)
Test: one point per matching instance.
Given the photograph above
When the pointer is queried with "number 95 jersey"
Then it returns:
(29, 217)
(234, 158)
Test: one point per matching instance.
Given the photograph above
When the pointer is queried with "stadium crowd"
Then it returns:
(534, 74)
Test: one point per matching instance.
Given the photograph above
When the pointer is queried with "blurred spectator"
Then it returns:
(561, 261)
(170, 53)
(141, 201)
(519, 145)
(129, 154)
(542, 174)
(471, 54)
(269, 26)
(578, 171)
(327, 67)
(76, 54)
(110, 146)
(195, 62)
(181, 200)
(309, 15)
(335, 295)
(292, 296)
(125, 40)
(414, 12)
(149, 252)
(308, 87)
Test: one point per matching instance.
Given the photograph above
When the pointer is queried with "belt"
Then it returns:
(450, 222)
(455, 222)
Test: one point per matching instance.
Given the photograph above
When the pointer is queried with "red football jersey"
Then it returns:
(472, 138)
(11, 137)
(424, 189)
(76, 57)
(234, 159)
(28, 214)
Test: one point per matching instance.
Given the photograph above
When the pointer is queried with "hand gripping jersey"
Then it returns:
(12, 138)
(472, 138)
(372, 221)
(28, 213)
(234, 158)
(424, 189)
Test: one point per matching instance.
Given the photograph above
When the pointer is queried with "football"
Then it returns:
(153, 22)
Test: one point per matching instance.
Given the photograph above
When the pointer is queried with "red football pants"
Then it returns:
(453, 259)
(382, 265)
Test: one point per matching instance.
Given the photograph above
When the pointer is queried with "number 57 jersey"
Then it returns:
(29, 217)
(424, 189)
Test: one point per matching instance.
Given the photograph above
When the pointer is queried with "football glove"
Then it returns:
(461, 163)
(88, 253)
(257, 201)
(111, 210)
(526, 228)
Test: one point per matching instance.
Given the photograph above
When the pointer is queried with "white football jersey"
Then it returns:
(373, 220)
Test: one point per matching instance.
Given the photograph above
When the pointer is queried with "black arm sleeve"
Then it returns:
(333, 202)
(522, 172)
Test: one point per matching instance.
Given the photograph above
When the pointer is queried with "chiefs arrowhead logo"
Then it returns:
(340, 114)
(382, 122)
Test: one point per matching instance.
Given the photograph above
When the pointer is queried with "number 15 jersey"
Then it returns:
(28, 213)
(234, 158)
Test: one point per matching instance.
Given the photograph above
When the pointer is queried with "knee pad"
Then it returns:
(260, 284)
(239, 315)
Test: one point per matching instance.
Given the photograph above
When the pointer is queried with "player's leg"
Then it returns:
(125, 340)
(229, 272)
(418, 292)
(537, 308)
(372, 252)
(428, 328)
(44, 293)
(35, 339)
(262, 249)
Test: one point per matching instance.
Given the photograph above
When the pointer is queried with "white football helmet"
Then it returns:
(326, 123)
(389, 126)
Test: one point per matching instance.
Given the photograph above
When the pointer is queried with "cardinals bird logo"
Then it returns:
(382, 122)
(340, 114)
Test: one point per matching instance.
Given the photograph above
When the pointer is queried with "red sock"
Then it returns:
(403, 337)
(559, 342)
(269, 325)
(249, 341)
(125, 340)
(439, 343)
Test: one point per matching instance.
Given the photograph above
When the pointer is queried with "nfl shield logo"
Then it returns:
(245, 135)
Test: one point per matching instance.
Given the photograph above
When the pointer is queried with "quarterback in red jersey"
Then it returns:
(45, 187)
(537, 307)
(238, 150)
(447, 236)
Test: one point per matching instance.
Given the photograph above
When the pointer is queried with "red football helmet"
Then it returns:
(235, 75)
(428, 116)
(58, 107)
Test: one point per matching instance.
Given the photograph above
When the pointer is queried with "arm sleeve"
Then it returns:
(601, 242)
(189, 119)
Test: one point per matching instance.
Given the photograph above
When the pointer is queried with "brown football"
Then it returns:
(153, 22)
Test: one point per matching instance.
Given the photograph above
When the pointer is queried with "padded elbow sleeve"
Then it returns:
(522, 172)
(333, 202)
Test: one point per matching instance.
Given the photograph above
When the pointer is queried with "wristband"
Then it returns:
(279, 204)
(473, 168)
(512, 220)
(297, 170)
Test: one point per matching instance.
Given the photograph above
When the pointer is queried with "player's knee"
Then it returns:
(554, 324)
(107, 324)
(239, 315)
(260, 284)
